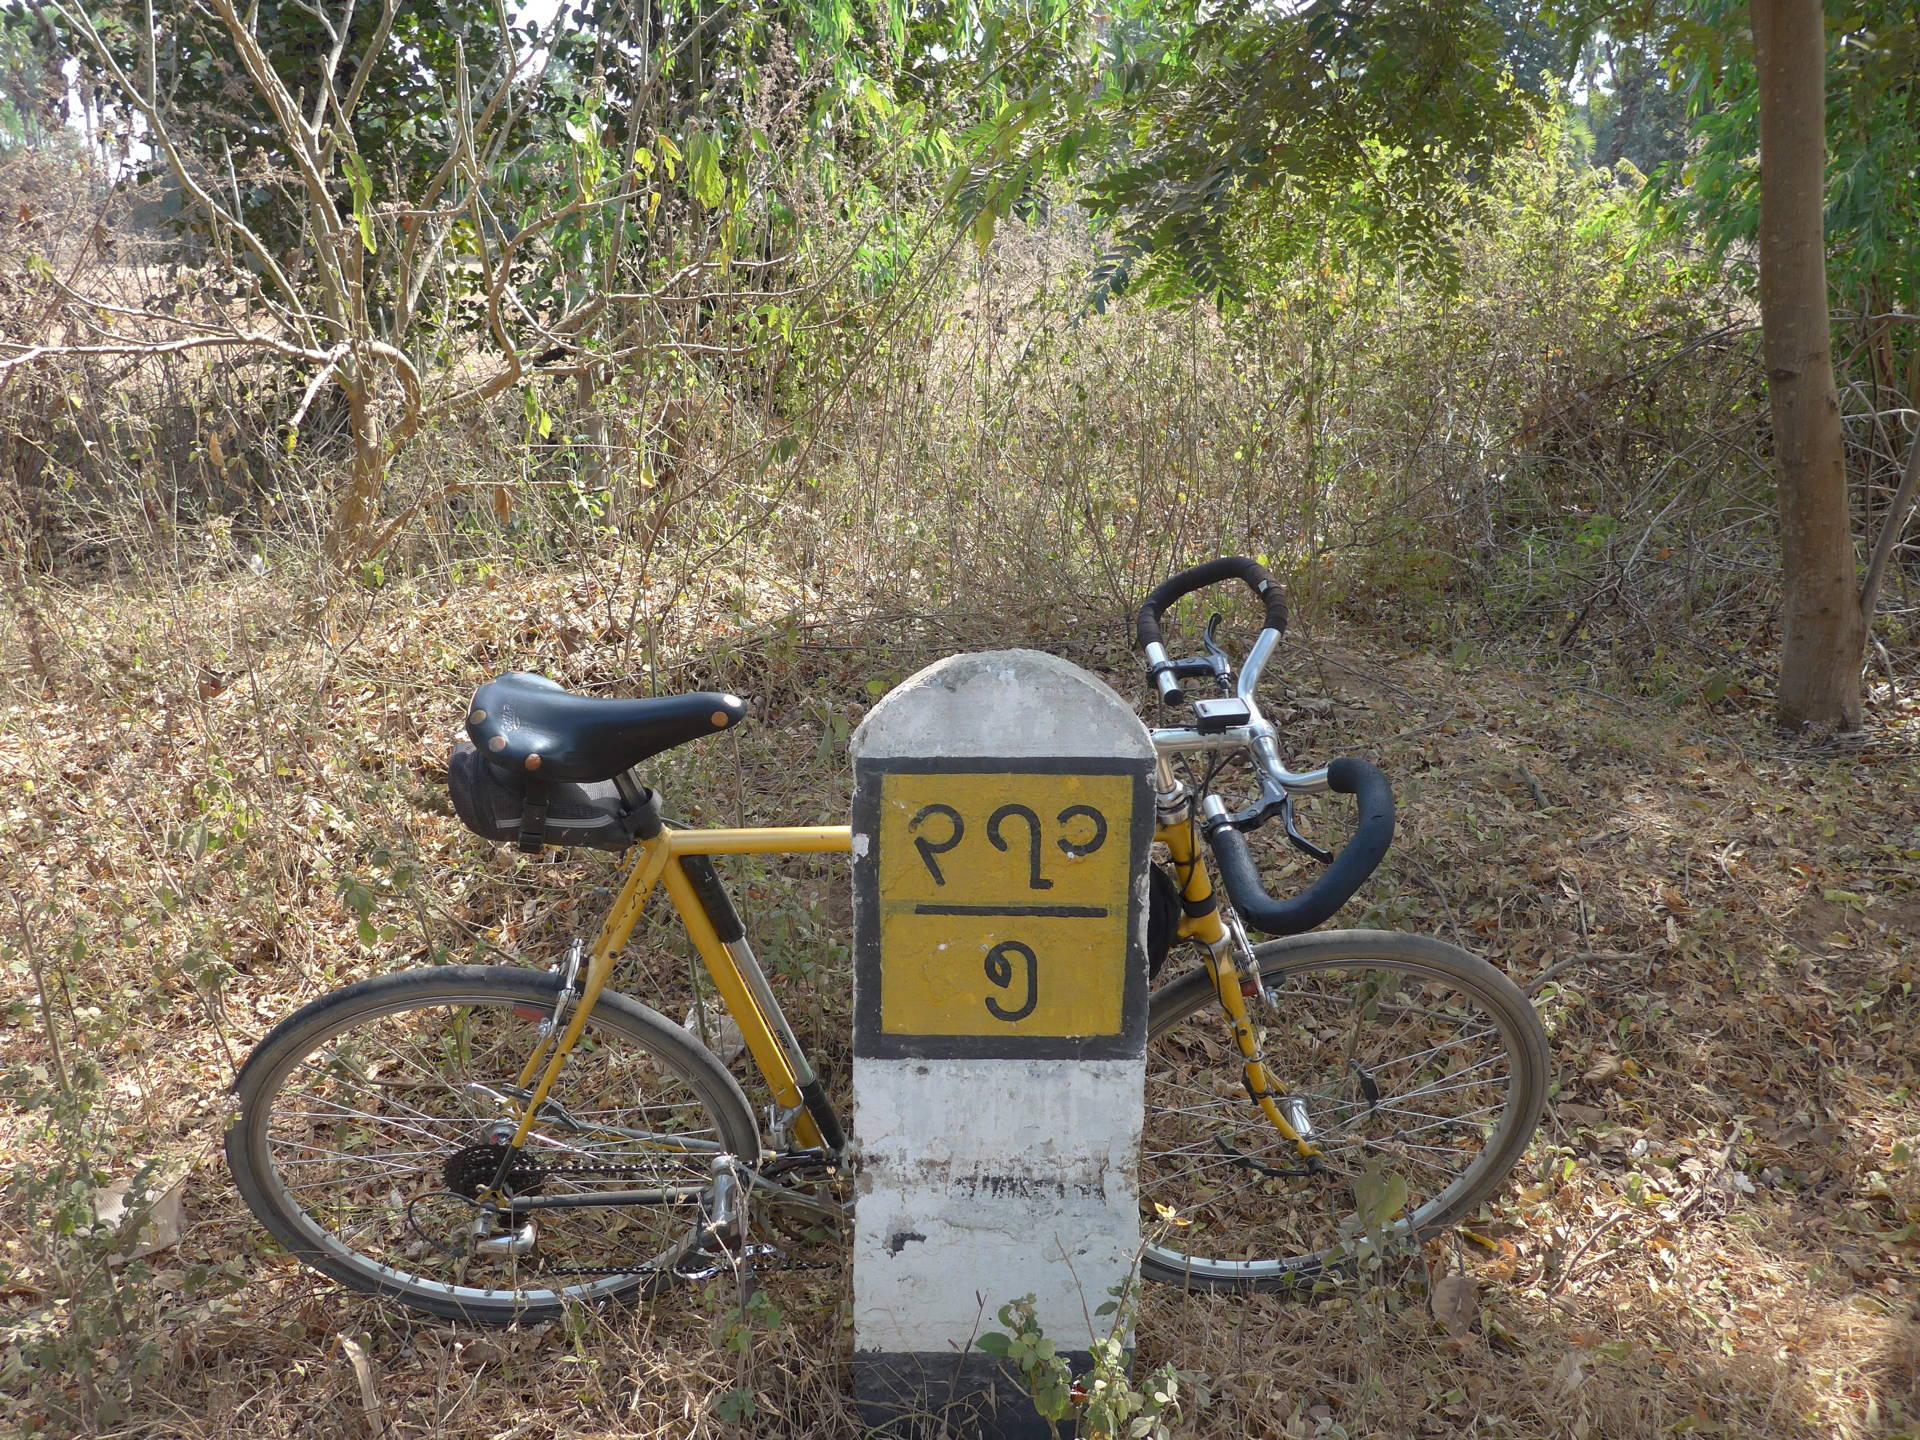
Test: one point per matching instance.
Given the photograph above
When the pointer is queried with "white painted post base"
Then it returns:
(1002, 814)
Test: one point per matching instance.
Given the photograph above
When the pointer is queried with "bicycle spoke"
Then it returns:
(363, 1132)
(1436, 1078)
(328, 1157)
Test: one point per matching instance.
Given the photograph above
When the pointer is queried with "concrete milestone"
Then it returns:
(1002, 817)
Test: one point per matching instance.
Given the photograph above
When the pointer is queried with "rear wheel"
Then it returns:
(1408, 1062)
(372, 1126)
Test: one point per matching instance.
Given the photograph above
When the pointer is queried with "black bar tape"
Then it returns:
(1320, 901)
(714, 898)
(1233, 567)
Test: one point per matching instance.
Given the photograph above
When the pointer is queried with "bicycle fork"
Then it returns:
(1225, 939)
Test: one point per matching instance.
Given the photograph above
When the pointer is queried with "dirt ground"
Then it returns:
(224, 810)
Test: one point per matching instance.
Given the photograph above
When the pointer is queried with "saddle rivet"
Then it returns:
(478, 717)
(533, 762)
(720, 718)
(497, 744)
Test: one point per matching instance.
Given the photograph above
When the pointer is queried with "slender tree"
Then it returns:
(1824, 637)
(1209, 125)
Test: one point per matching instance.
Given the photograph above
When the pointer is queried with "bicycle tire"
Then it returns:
(1170, 1137)
(668, 1050)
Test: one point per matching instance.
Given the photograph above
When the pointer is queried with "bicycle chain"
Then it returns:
(629, 1172)
(759, 1263)
(625, 1172)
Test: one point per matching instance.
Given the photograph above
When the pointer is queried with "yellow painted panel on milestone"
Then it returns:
(1004, 903)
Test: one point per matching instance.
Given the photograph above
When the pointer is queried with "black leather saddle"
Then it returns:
(528, 724)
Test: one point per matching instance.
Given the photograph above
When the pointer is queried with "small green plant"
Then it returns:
(736, 1406)
(1026, 1347)
(76, 1362)
(1111, 1405)
(744, 1314)
(1372, 1240)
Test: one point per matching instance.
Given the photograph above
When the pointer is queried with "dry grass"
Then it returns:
(1715, 1231)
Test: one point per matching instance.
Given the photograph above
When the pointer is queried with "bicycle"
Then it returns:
(491, 1143)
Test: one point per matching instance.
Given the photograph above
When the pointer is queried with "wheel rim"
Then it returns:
(1401, 1070)
(356, 1131)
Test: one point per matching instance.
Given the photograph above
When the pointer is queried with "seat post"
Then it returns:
(631, 790)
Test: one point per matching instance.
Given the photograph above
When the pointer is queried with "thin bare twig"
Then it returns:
(1891, 529)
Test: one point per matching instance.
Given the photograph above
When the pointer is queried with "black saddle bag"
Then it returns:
(498, 805)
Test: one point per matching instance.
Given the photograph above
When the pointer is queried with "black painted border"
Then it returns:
(869, 1040)
(903, 1394)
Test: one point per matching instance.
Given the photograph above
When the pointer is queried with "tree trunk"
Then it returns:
(1629, 93)
(593, 429)
(359, 503)
(1824, 633)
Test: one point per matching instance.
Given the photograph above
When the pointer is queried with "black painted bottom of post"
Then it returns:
(915, 1394)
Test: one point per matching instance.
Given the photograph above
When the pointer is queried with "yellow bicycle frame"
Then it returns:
(1206, 926)
(659, 862)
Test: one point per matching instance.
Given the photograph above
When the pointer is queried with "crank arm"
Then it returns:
(689, 1269)
(783, 1195)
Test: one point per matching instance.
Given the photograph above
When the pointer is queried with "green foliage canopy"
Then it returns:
(403, 122)
(32, 90)
(1219, 141)
(1873, 145)
(1873, 135)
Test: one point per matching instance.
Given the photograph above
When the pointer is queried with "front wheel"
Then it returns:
(1406, 1061)
(370, 1142)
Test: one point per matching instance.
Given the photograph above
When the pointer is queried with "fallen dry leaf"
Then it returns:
(1570, 1374)
(369, 1394)
(1456, 1303)
(158, 1227)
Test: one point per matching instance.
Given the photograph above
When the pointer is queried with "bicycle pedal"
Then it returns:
(711, 1264)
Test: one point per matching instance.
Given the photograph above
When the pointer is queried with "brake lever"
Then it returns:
(1254, 816)
(1300, 842)
(1217, 656)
